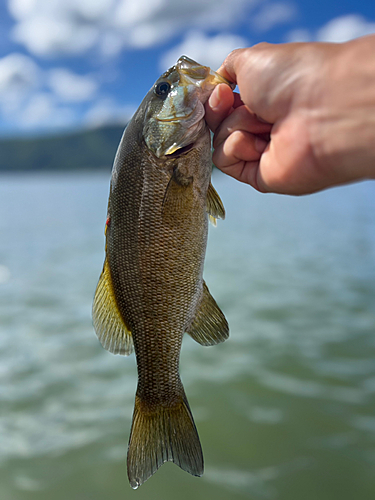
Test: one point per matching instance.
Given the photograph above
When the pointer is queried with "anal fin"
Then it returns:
(113, 333)
(209, 326)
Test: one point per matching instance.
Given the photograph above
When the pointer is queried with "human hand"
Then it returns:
(305, 119)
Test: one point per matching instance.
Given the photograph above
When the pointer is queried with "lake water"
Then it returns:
(285, 408)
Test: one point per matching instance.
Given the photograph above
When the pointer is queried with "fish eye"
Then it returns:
(162, 88)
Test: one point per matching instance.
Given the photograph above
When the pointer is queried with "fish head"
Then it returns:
(174, 115)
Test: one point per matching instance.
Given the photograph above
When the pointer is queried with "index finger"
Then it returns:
(219, 105)
(229, 67)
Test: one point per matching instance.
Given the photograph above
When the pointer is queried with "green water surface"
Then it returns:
(285, 408)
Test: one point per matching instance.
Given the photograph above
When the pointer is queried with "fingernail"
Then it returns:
(214, 100)
(260, 145)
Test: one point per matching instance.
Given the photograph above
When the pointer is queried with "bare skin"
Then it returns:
(305, 117)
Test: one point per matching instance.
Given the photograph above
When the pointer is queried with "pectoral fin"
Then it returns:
(209, 326)
(214, 205)
(109, 326)
(177, 192)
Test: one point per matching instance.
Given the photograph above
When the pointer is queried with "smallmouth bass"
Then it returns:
(151, 290)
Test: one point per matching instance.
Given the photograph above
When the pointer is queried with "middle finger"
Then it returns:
(242, 119)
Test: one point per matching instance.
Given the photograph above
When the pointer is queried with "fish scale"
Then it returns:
(151, 290)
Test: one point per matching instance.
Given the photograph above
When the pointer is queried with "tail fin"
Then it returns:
(161, 435)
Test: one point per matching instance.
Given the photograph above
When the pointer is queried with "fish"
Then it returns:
(151, 290)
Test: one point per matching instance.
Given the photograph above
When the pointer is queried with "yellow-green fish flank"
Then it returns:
(151, 290)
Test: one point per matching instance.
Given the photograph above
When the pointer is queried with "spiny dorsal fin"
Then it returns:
(214, 205)
(109, 326)
(209, 326)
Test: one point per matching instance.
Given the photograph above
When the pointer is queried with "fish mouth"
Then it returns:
(192, 72)
(175, 118)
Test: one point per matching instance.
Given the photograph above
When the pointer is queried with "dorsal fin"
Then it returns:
(113, 333)
(214, 205)
(209, 326)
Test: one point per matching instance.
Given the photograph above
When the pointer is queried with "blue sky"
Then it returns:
(82, 63)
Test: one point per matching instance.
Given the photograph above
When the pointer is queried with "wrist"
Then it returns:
(342, 124)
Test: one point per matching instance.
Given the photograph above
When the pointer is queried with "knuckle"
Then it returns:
(233, 143)
(260, 46)
(233, 54)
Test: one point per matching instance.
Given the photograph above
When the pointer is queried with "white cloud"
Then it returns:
(273, 14)
(342, 29)
(86, 9)
(110, 44)
(107, 111)
(146, 35)
(298, 35)
(24, 100)
(18, 72)
(42, 111)
(210, 51)
(216, 14)
(20, 77)
(54, 27)
(91, 10)
(130, 12)
(71, 87)
(22, 8)
(38, 110)
(47, 36)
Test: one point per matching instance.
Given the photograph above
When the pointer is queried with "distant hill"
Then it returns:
(87, 149)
